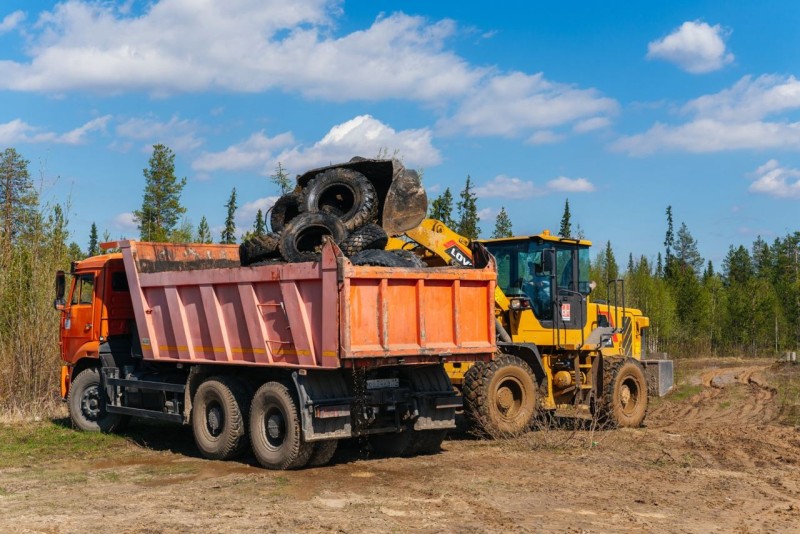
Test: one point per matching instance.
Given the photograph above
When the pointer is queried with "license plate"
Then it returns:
(379, 383)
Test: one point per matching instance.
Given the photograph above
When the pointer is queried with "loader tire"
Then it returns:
(344, 193)
(500, 396)
(219, 417)
(370, 236)
(624, 393)
(302, 239)
(384, 258)
(284, 210)
(87, 405)
(258, 248)
(323, 452)
(275, 433)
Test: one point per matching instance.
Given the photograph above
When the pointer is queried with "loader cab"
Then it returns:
(547, 274)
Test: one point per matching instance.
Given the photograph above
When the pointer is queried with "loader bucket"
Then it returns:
(402, 202)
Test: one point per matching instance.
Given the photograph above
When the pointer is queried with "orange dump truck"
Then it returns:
(285, 358)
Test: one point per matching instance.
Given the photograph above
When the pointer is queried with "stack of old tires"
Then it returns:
(339, 203)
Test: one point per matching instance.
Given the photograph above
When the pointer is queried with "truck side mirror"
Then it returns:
(61, 286)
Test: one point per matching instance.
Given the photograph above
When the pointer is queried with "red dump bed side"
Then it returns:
(194, 304)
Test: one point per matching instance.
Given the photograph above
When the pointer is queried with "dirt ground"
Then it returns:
(713, 457)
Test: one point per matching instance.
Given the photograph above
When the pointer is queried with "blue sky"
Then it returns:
(622, 107)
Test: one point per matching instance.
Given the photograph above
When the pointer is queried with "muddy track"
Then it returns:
(716, 460)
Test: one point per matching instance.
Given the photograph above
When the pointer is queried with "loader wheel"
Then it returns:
(258, 248)
(344, 193)
(387, 258)
(301, 239)
(219, 415)
(284, 210)
(500, 397)
(87, 405)
(369, 236)
(275, 429)
(323, 452)
(624, 393)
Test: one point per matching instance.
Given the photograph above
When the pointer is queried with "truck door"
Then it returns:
(79, 316)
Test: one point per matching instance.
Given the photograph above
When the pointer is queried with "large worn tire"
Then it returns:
(323, 452)
(219, 416)
(386, 258)
(500, 397)
(275, 433)
(369, 236)
(301, 240)
(259, 248)
(624, 393)
(284, 210)
(344, 193)
(87, 405)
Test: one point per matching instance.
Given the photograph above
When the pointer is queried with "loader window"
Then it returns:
(83, 289)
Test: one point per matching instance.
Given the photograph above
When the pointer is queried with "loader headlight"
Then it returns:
(519, 303)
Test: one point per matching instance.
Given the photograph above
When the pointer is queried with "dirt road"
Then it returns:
(712, 458)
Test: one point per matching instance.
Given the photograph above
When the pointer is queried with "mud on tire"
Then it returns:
(369, 236)
(302, 238)
(275, 434)
(500, 396)
(219, 416)
(344, 193)
(87, 405)
(259, 248)
(624, 402)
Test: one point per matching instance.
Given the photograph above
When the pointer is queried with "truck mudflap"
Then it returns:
(419, 397)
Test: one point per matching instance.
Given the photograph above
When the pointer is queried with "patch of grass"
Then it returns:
(30, 444)
(685, 391)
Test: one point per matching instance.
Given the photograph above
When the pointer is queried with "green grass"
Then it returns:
(685, 391)
(31, 444)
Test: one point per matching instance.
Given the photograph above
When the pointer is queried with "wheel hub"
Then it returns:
(275, 427)
(90, 403)
(505, 399)
(214, 420)
(625, 395)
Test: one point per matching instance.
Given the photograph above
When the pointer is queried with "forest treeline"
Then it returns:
(750, 305)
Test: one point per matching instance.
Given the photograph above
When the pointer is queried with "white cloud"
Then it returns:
(545, 137)
(18, 131)
(179, 135)
(125, 223)
(507, 187)
(570, 185)
(695, 47)
(732, 119)
(11, 21)
(774, 180)
(362, 135)
(514, 103)
(486, 214)
(246, 215)
(594, 123)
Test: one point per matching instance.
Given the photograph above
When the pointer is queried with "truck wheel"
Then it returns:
(284, 210)
(500, 397)
(87, 405)
(369, 236)
(323, 452)
(301, 240)
(391, 444)
(344, 193)
(624, 393)
(275, 433)
(219, 415)
(426, 441)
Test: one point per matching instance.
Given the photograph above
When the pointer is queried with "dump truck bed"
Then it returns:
(194, 304)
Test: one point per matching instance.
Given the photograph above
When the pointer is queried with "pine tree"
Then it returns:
(442, 209)
(467, 209)
(669, 242)
(687, 255)
(229, 232)
(579, 232)
(18, 198)
(612, 269)
(259, 226)
(281, 179)
(566, 227)
(161, 207)
(203, 231)
(502, 225)
(93, 249)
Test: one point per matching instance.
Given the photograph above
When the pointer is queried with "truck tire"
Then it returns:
(219, 416)
(275, 433)
(87, 405)
(301, 239)
(386, 258)
(344, 193)
(258, 248)
(284, 210)
(429, 379)
(323, 452)
(391, 444)
(624, 393)
(500, 396)
(369, 236)
(424, 442)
